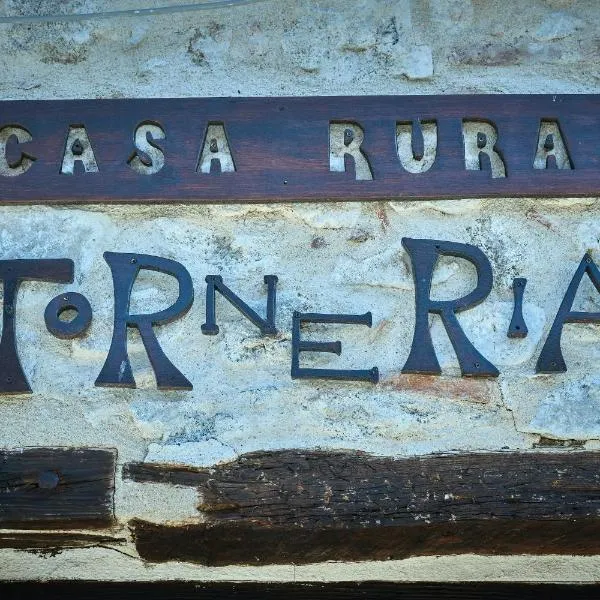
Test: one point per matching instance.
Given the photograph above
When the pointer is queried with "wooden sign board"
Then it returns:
(296, 505)
(299, 149)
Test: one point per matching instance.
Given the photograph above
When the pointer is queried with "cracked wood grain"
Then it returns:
(57, 488)
(306, 506)
(54, 542)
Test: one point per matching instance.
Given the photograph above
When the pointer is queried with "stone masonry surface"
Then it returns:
(244, 398)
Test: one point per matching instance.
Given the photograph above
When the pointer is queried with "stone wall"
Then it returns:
(243, 398)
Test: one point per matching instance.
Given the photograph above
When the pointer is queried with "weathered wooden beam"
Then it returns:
(89, 590)
(314, 488)
(160, 473)
(54, 542)
(43, 488)
(280, 148)
(299, 506)
(241, 543)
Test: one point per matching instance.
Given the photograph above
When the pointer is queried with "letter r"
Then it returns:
(117, 368)
(422, 359)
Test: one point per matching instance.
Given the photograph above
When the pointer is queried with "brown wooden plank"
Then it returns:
(91, 590)
(281, 150)
(303, 506)
(54, 542)
(312, 488)
(44, 488)
(254, 543)
(161, 473)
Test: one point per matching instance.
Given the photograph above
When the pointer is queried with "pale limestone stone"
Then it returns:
(78, 35)
(447, 207)
(244, 398)
(417, 63)
(558, 25)
(570, 411)
(139, 33)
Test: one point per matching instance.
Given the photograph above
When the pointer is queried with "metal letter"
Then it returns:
(12, 273)
(551, 359)
(518, 327)
(298, 346)
(68, 330)
(215, 283)
(117, 368)
(422, 358)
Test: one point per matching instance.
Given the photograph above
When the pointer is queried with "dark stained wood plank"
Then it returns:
(315, 488)
(55, 542)
(305, 506)
(43, 488)
(280, 148)
(161, 473)
(89, 590)
(241, 543)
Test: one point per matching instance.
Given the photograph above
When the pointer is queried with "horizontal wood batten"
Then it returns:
(90, 590)
(166, 473)
(280, 148)
(314, 488)
(43, 488)
(52, 542)
(301, 507)
(225, 544)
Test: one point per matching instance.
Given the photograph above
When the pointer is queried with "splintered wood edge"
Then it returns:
(297, 506)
